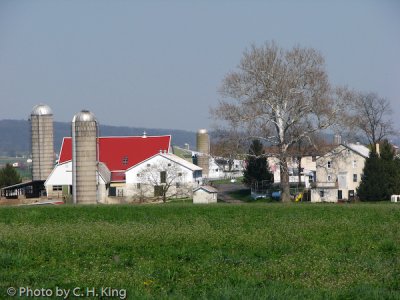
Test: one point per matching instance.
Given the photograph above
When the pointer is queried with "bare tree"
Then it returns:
(369, 115)
(161, 177)
(281, 97)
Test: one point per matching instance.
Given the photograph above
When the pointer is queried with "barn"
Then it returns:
(121, 175)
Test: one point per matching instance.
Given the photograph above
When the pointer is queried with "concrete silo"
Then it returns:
(84, 158)
(42, 142)
(203, 146)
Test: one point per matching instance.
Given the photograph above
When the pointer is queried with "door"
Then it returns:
(342, 180)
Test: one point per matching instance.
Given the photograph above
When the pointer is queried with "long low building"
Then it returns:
(131, 168)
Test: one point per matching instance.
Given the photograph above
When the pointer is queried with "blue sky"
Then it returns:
(159, 64)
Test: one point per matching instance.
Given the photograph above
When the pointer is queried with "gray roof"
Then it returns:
(207, 188)
(358, 148)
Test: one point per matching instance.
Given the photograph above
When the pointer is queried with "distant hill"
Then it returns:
(15, 135)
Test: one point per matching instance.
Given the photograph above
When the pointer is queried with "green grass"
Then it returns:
(185, 251)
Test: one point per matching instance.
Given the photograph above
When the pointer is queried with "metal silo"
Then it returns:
(42, 142)
(203, 146)
(84, 158)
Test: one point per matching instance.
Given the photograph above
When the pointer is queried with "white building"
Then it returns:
(130, 169)
(307, 173)
(205, 194)
(339, 173)
(218, 167)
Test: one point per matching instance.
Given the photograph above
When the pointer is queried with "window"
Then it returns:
(158, 190)
(138, 174)
(329, 178)
(179, 174)
(322, 194)
(112, 191)
(138, 185)
(57, 187)
(329, 164)
(148, 165)
(178, 184)
(340, 195)
(169, 165)
(354, 177)
(163, 176)
(354, 164)
(120, 192)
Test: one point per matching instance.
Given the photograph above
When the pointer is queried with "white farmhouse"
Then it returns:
(339, 173)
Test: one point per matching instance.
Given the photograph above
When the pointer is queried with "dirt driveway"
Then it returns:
(224, 190)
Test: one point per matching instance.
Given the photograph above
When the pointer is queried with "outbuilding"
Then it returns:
(395, 198)
(205, 194)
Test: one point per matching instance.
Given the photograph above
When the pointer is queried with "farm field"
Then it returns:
(184, 251)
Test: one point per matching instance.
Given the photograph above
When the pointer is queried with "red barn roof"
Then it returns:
(121, 153)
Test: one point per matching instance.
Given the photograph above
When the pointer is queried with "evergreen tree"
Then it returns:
(257, 168)
(391, 168)
(381, 175)
(9, 176)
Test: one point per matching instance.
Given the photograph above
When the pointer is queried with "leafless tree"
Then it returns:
(279, 96)
(369, 115)
(161, 176)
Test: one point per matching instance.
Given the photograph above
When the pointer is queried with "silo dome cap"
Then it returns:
(202, 131)
(41, 109)
(84, 116)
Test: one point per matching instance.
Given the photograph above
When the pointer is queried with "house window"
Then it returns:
(163, 176)
(329, 178)
(329, 164)
(354, 177)
(120, 192)
(322, 194)
(354, 164)
(57, 187)
(158, 190)
(178, 184)
(138, 174)
(148, 165)
(169, 165)
(340, 195)
(138, 185)
(179, 174)
(112, 191)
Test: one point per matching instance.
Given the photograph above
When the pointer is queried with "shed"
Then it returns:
(205, 194)
(395, 198)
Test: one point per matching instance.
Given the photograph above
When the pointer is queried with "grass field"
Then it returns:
(183, 251)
